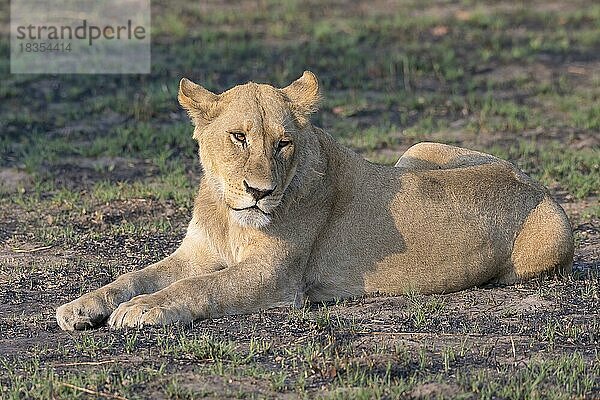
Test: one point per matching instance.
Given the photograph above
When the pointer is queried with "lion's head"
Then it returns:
(251, 139)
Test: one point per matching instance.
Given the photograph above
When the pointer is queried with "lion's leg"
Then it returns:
(543, 246)
(93, 308)
(239, 289)
(428, 155)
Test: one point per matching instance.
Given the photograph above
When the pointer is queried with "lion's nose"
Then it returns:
(257, 193)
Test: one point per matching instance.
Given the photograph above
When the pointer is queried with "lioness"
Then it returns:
(285, 213)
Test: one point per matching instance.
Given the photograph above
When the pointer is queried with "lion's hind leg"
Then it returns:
(544, 246)
(428, 155)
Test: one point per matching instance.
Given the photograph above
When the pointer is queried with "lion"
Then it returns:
(285, 214)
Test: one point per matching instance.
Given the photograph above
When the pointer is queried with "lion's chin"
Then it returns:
(251, 217)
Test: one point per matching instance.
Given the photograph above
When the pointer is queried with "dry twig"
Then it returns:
(94, 392)
(31, 250)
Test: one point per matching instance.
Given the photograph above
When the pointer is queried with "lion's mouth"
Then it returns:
(254, 207)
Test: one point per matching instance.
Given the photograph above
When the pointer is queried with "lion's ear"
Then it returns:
(303, 94)
(201, 104)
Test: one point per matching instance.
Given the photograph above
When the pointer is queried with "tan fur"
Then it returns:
(285, 213)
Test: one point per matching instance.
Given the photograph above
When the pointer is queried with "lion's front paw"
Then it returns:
(86, 312)
(147, 310)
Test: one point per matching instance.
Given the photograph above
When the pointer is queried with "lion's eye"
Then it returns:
(239, 137)
(283, 143)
